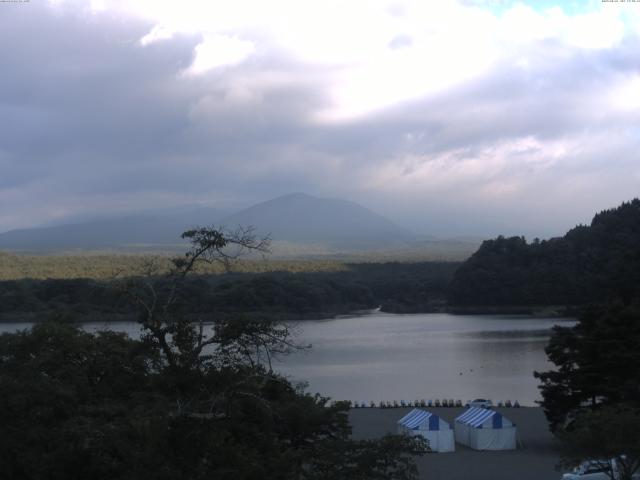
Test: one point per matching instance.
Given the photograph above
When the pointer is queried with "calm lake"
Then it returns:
(380, 356)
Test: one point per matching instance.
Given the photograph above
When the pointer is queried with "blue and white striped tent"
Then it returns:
(429, 426)
(485, 429)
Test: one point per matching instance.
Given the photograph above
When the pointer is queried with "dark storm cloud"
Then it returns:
(92, 111)
(80, 95)
(96, 121)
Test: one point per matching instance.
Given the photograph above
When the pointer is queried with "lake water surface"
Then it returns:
(392, 357)
(380, 356)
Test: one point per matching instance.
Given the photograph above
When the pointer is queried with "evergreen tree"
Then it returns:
(592, 399)
(596, 363)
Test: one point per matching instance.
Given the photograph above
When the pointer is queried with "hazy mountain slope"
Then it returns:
(294, 221)
(125, 232)
(302, 218)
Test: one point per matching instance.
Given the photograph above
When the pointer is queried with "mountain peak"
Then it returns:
(295, 196)
(299, 217)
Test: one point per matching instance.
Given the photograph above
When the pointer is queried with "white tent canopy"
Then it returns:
(484, 429)
(429, 426)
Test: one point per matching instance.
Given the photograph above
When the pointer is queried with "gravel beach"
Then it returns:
(535, 458)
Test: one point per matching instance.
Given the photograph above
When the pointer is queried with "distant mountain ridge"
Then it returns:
(295, 218)
(148, 231)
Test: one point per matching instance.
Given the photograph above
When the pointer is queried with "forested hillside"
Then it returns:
(588, 264)
(396, 287)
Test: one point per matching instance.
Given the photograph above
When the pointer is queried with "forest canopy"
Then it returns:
(589, 263)
(396, 287)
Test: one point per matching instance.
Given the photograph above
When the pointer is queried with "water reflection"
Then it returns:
(384, 357)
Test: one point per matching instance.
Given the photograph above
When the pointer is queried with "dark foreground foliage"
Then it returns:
(76, 406)
(605, 434)
(185, 402)
(592, 398)
(596, 363)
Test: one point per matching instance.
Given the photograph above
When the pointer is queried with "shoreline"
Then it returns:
(526, 311)
(535, 459)
(560, 311)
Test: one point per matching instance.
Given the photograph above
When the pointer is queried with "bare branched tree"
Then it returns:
(178, 338)
(252, 343)
(237, 348)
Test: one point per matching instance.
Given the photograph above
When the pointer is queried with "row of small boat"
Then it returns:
(424, 403)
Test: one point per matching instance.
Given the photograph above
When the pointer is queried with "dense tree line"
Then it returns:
(178, 403)
(597, 362)
(592, 397)
(397, 287)
(589, 263)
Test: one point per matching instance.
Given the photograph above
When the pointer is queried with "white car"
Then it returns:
(591, 470)
(596, 470)
(480, 402)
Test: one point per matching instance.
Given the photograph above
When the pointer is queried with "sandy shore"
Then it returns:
(535, 458)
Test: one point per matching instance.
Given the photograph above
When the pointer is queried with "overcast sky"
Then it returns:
(451, 118)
